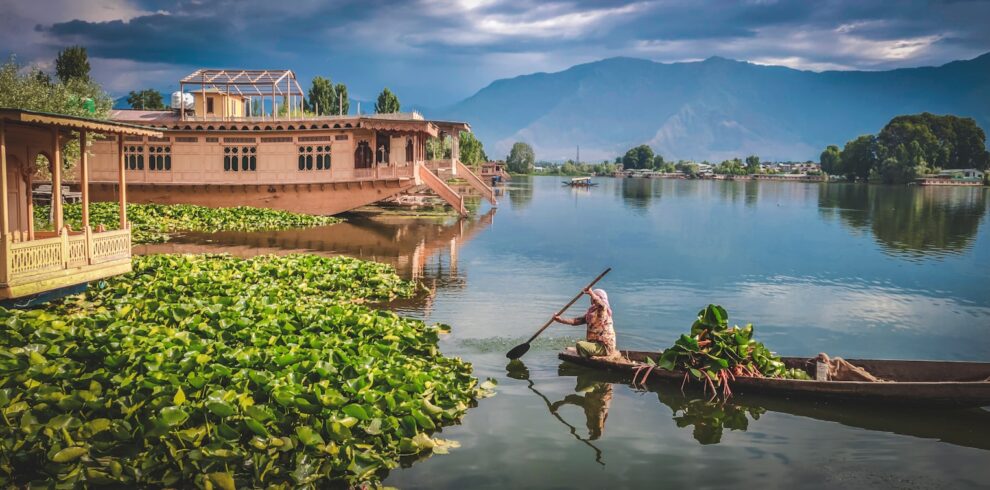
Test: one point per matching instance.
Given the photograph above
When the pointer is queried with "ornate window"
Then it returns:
(240, 158)
(160, 157)
(314, 157)
(134, 157)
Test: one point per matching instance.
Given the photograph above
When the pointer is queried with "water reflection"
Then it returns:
(595, 403)
(520, 190)
(910, 220)
(708, 420)
(638, 194)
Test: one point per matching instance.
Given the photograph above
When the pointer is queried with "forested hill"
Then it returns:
(711, 109)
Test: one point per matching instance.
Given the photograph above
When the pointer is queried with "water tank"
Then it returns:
(181, 100)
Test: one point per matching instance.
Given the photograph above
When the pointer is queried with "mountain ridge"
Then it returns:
(711, 109)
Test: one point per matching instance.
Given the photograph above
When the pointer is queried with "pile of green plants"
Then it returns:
(714, 353)
(219, 372)
(152, 223)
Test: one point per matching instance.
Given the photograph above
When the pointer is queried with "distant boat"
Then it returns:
(580, 182)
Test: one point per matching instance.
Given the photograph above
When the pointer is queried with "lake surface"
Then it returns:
(851, 270)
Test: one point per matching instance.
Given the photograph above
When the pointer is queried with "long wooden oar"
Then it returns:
(521, 349)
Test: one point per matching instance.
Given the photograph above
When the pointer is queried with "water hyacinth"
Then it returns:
(152, 223)
(216, 372)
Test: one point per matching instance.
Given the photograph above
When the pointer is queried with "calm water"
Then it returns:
(851, 270)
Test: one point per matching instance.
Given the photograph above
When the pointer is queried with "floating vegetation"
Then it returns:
(216, 372)
(153, 223)
(715, 353)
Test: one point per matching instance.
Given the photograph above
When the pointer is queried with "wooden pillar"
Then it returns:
(182, 108)
(84, 178)
(122, 185)
(274, 104)
(4, 206)
(56, 182)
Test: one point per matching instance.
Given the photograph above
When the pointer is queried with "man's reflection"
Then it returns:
(595, 402)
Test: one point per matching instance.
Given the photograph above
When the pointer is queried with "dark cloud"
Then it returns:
(436, 51)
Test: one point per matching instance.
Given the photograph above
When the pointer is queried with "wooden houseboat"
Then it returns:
(39, 262)
(242, 138)
(494, 172)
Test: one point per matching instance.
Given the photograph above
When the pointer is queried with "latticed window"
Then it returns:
(240, 158)
(314, 157)
(160, 157)
(134, 157)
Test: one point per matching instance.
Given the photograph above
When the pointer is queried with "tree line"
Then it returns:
(908, 147)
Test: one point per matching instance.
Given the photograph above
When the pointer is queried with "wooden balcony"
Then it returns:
(53, 261)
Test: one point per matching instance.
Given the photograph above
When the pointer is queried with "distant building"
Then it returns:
(962, 173)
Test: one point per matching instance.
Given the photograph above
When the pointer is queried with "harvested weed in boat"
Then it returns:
(214, 371)
(152, 223)
(714, 353)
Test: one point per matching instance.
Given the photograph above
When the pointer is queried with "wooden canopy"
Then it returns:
(44, 119)
(252, 80)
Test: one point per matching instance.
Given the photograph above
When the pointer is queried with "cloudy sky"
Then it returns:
(435, 52)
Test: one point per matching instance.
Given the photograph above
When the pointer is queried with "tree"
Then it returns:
(860, 156)
(322, 100)
(472, 151)
(343, 102)
(520, 159)
(831, 160)
(387, 103)
(72, 63)
(438, 148)
(147, 99)
(638, 157)
(658, 162)
(753, 164)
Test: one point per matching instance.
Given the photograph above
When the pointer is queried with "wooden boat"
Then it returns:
(914, 383)
(580, 182)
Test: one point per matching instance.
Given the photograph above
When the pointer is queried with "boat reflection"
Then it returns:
(595, 402)
(709, 419)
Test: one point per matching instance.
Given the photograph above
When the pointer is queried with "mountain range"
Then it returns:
(712, 109)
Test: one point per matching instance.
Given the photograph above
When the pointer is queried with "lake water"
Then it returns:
(851, 270)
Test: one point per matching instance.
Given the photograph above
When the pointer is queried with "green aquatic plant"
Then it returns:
(714, 353)
(216, 372)
(153, 223)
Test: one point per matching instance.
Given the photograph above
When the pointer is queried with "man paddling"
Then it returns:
(600, 337)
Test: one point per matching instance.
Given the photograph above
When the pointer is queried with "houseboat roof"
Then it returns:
(256, 82)
(76, 122)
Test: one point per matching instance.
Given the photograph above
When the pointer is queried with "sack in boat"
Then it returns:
(841, 370)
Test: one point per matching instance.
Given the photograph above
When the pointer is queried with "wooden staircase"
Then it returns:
(465, 172)
(436, 184)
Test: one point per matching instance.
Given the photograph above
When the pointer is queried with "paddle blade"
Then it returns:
(518, 351)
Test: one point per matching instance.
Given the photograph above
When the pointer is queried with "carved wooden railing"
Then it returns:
(76, 247)
(442, 189)
(110, 245)
(36, 257)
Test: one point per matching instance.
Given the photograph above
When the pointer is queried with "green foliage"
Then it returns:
(732, 167)
(753, 164)
(831, 160)
(438, 148)
(472, 152)
(638, 157)
(388, 103)
(72, 63)
(343, 101)
(521, 158)
(322, 99)
(860, 156)
(658, 162)
(148, 99)
(713, 352)
(570, 168)
(214, 371)
(152, 223)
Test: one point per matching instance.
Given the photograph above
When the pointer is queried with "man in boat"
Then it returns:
(600, 337)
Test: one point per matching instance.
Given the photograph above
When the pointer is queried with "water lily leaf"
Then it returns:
(69, 454)
(179, 398)
(308, 436)
(173, 416)
(220, 408)
(356, 411)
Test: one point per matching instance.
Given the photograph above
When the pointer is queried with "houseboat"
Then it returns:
(956, 177)
(241, 138)
(37, 264)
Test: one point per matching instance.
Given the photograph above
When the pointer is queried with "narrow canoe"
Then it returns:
(915, 383)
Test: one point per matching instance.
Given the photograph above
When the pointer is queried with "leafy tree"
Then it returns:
(438, 148)
(72, 63)
(860, 156)
(753, 164)
(831, 160)
(147, 99)
(658, 162)
(731, 167)
(946, 141)
(471, 149)
(387, 103)
(322, 100)
(520, 159)
(638, 157)
(343, 102)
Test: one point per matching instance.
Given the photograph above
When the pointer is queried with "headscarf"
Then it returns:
(599, 303)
